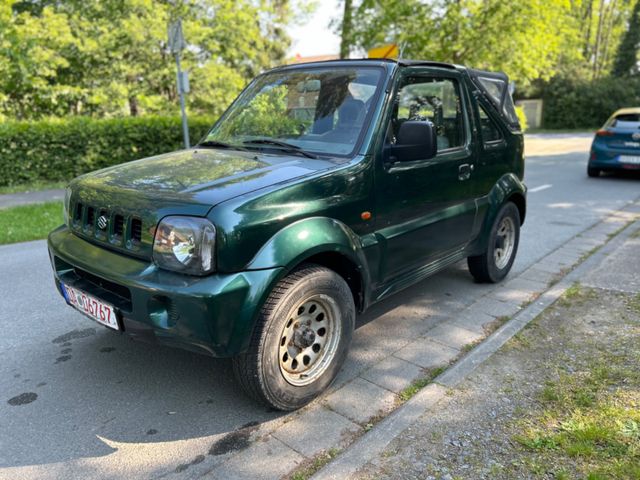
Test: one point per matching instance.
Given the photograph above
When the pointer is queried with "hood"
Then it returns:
(187, 182)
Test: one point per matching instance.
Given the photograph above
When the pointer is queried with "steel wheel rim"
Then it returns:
(505, 242)
(309, 340)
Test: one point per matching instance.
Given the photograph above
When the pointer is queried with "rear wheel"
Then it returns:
(494, 264)
(300, 341)
(593, 172)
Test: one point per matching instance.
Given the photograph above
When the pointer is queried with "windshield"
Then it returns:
(320, 110)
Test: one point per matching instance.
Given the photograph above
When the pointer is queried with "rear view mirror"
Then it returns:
(416, 140)
(308, 86)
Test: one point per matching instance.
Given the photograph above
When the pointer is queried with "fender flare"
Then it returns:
(305, 238)
(294, 244)
(508, 188)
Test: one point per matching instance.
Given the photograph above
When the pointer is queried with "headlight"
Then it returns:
(185, 244)
(65, 205)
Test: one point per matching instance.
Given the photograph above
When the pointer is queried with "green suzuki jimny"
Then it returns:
(324, 188)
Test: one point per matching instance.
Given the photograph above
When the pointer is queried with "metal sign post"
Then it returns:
(176, 45)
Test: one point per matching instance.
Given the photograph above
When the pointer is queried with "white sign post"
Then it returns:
(176, 45)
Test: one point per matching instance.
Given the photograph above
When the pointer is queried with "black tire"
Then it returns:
(259, 369)
(484, 267)
(593, 172)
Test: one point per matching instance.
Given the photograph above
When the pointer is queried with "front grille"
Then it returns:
(77, 214)
(116, 289)
(107, 291)
(91, 217)
(136, 229)
(121, 230)
(118, 225)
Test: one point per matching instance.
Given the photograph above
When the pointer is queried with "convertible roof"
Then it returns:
(404, 62)
(376, 61)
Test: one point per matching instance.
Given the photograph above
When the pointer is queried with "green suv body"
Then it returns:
(323, 189)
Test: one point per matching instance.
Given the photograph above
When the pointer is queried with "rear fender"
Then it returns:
(508, 188)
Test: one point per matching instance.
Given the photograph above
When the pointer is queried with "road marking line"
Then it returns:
(540, 188)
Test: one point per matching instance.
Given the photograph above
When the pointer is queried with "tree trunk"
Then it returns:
(133, 106)
(596, 48)
(604, 58)
(587, 21)
(347, 19)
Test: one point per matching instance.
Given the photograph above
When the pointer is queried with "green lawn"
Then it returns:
(29, 222)
(32, 187)
(590, 417)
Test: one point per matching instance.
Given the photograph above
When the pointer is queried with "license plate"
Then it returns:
(629, 159)
(92, 307)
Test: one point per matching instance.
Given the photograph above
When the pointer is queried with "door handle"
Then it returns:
(464, 171)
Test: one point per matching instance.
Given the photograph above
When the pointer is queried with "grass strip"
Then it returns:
(29, 222)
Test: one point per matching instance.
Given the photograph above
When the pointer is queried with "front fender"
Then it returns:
(308, 237)
(298, 242)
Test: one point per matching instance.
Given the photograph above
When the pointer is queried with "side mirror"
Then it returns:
(416, 141)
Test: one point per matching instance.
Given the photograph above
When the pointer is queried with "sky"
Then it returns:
(315, 37)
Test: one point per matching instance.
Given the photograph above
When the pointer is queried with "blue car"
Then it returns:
(616, 145)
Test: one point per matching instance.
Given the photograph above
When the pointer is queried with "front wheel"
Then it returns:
(494, 264)
(300, 340)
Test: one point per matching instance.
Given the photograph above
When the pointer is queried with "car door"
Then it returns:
(426, 208)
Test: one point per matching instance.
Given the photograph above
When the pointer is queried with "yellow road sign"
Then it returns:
(385, 51)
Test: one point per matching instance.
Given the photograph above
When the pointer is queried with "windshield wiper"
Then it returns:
(287, 147)
(216, 144)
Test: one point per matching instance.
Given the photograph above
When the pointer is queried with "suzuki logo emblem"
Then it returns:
(636, 136)
(102, 222)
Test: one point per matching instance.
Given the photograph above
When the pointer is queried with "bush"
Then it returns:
(522, 118)
(55, 150)
(570, 103)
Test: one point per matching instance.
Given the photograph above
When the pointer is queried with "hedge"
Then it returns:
(58, 150)
(572, 103)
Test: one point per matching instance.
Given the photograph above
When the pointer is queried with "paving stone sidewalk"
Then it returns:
(431, 335)
(27, 198)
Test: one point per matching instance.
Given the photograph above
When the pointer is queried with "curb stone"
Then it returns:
(27, 198)
(375, 441)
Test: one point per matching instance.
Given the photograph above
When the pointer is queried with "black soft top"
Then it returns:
(493, 86)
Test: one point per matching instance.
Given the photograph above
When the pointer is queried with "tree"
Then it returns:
(626, 62)
(110, 57)
(531, 40)
(523, 38)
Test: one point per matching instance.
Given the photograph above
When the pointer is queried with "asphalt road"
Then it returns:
(77, 400)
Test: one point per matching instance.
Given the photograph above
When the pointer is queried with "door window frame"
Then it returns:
(493, 144)
(452, 153)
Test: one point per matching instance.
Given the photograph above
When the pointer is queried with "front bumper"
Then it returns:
(212, 315)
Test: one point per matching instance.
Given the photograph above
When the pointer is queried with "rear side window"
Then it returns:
(490, 131)
(625, 120)
(496, 88)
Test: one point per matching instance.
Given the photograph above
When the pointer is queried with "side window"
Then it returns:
(490, 131)
(436, 100)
